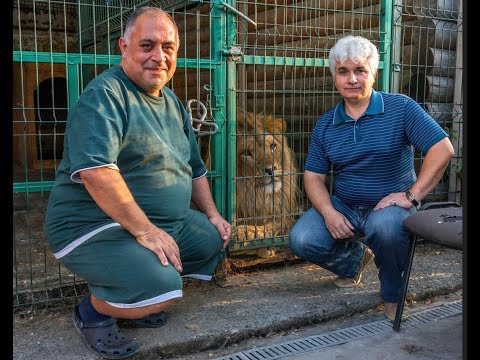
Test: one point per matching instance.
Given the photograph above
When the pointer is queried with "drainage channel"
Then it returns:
(343, 336)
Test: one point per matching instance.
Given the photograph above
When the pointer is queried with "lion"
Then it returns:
(266, 180)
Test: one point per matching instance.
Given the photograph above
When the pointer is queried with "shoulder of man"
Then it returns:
(396, 100)
(169, 92)
(114, 81)
(394, 96)
(327, 117)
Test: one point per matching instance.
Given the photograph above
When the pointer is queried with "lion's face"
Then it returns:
(261, 158)
(267, 173)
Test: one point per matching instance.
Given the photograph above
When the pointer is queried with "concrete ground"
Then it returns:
(217, 318)
(439, 340)
(434, 331)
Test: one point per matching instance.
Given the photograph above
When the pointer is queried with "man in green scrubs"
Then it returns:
(119, 214)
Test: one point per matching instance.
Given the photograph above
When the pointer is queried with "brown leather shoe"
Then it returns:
(391, 309)
(342, 282)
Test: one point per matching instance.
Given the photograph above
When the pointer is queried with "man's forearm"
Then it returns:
(202, 196)
(110, 192)
(434, 165)
(317, 192)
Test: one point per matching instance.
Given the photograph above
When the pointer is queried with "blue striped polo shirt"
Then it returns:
(372, 156)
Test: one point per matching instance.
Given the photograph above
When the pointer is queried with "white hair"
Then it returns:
(354, 48)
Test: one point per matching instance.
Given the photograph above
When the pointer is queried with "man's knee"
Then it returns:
(166, 280)
(211, 244)
(388, 224)
(200, 237)
(294, 239)
(212, 247)
(299, 239)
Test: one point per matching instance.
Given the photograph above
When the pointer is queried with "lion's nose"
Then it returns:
(270, 170)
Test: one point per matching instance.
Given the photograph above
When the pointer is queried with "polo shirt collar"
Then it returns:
(375, 107)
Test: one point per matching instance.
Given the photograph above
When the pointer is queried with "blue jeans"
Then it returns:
(382, 231)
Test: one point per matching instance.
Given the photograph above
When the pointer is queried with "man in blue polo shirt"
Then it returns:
(368, 140)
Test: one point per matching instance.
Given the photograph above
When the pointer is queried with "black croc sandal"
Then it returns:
(105, 338)
(150, 321)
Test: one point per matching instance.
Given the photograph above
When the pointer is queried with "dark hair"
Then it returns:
(149, 10)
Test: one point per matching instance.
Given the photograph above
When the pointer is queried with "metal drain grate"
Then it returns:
(342, 336)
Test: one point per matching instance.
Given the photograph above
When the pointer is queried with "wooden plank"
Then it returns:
(431, 61)
(434, 33)
(432, 8)
(428, 88)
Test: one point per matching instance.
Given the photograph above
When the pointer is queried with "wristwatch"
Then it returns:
(410, 197)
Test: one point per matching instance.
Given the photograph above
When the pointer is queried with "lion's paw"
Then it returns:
(251, 232)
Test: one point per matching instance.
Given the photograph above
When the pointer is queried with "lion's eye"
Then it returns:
(273, 147)
(246, 153)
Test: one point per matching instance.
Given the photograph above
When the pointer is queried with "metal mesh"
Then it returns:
(428, 68)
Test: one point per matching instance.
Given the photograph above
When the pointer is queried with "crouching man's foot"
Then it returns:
(342, 282)
(104, 337)
(151, 321)
(391, 309)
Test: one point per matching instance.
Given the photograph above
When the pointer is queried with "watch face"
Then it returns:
(411, 198)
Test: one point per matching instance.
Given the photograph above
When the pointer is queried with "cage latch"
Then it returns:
(197, 123)
(234, 51)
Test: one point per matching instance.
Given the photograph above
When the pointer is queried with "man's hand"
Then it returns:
(163, 245)
(338, 225)
(109, 190)
(223, 227)
(394, 199)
